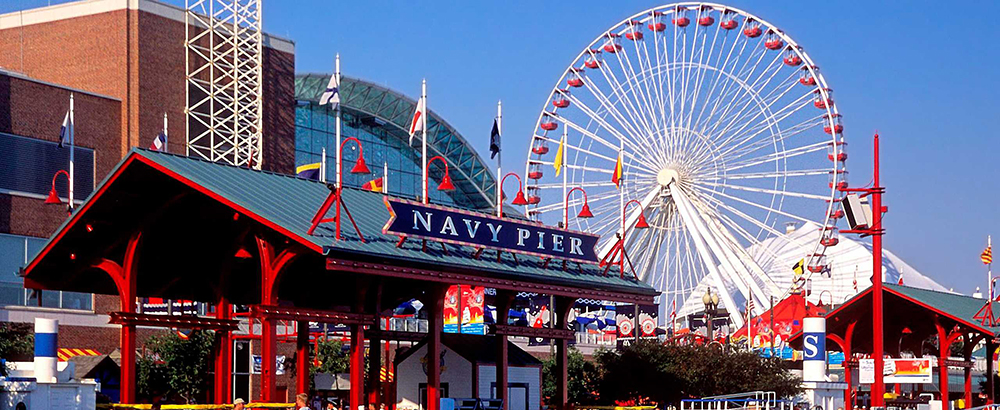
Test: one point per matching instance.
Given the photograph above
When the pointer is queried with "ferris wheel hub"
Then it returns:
(666, 176)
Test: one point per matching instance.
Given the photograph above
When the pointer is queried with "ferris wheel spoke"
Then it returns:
(751, 239)
(718, 75)
(749, 93)
(777, 156)
(769, 140)
(619, 90)
(766, 191)
(757, 107)
(770, 175)
(627, 154)
(603, 124)
(770, 120)
(634, 76)
(629, 124)
(576, 149)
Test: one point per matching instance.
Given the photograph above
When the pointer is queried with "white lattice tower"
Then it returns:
(224, 45)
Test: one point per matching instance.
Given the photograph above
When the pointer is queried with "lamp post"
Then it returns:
(359, 168)
(711, 301)
(640, 223)
(445, 184)
(53, 198)
(584, 210)
(518, 199)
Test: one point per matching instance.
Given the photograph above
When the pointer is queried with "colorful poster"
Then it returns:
(647, 321)
(908, 371)
(465, 304)
(626, 321)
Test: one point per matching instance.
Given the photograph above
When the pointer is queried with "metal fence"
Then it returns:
(757, 400)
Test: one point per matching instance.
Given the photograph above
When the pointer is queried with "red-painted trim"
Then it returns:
(266, 222)
(940, 312)
(79, 214)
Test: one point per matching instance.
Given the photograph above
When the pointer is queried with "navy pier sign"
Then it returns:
(437, 223)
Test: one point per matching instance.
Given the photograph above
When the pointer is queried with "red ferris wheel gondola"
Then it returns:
(772, 41)
(680, 17)
(752, 29)
(635, 30)
(656, 22)
(575, 78)
(613, 43)
(807, 78)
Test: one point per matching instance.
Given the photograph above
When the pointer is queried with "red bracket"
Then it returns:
(334, 197)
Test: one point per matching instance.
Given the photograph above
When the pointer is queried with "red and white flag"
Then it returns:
(417, 124)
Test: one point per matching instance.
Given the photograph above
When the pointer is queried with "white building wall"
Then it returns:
(456, 372)
(532, 376)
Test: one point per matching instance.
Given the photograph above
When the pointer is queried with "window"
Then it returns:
(15, 252)
(28, 165)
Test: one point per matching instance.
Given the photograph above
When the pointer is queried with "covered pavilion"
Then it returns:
(913, 317)
(169, 226)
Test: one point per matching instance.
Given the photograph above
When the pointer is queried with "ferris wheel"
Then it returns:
(723, 130)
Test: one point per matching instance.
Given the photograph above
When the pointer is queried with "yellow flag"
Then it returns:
(558, 164)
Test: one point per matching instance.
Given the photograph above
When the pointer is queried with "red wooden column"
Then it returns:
(563, 307)
(302, 357)
(435, 315)
(127, 294)
(970, 342)
(357, 356)
(944, 343)
(271, 265)
(990, 348)
(374, 385)
(222, 389)
(503, 301)
(357, 353)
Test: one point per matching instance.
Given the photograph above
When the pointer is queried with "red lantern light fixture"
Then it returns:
(519, 199)
(641, 222)
(53, 198)
(584, 210)
(445, 184)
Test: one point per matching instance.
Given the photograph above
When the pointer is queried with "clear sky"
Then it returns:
(923, 74)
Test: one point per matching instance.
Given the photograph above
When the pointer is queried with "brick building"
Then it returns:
(124, 63)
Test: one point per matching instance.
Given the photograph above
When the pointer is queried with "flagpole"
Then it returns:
(166, 137)
(499, 166)
(423, 149)
(322, 166)
(562, 164)
(385, 178)
(621, 196)
(989, 266)
(336, 73)
(72, 148)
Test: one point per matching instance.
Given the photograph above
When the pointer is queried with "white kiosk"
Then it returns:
(46, 383)
(819, 390)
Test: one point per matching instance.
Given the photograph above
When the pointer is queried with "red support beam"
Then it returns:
(990, 348)
(271, 266)
(357, 358)
(374, 384)
(504, 299)
(943, 350)
(222, 389)
(563, 307)
(124, 276)
(435, 325)
(302, 357)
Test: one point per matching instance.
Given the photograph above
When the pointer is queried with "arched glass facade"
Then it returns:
(379, 118)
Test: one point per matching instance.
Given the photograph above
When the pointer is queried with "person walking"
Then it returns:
(238, 404)
(300, 401)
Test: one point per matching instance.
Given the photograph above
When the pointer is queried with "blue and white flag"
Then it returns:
(159, 143)
(332, 93)
(64, 131)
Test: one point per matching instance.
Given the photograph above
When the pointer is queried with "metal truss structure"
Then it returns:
(224, 60)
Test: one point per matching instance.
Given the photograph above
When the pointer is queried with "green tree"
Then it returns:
(174, 365)
(666, 373)
(583, 378)
(16, 341)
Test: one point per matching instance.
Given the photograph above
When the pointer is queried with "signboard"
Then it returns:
(814, 346)
(437, 223)
(897, 371)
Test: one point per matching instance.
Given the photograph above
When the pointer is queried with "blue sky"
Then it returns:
(923, 75)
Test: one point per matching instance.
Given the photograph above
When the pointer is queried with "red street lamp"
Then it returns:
(359, 167)
(53, 198)
(518, 200)
(584, 210)
(445, 184)
(641, 223)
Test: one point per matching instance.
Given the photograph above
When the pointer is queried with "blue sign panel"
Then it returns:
(417, 220)
(814, 346)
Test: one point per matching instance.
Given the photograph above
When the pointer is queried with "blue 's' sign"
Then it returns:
(414, 219)
(813, 346)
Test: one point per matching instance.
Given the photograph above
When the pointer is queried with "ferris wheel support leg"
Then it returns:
(736, 253)
(697, 225)
(706, 256)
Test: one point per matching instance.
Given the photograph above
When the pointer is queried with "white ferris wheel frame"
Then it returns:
(711, 236)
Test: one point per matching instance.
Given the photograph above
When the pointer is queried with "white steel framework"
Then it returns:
(726, 129)
(224, 110)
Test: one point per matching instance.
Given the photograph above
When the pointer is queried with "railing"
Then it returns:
(757, 400)
(196, 406)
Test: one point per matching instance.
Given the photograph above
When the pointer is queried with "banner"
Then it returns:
(897, 371)
(466, 304)
(625, 319)
(437, 223)
(537, 315)
(647, 321)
